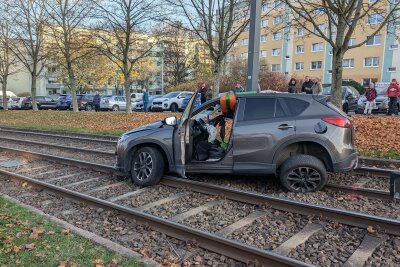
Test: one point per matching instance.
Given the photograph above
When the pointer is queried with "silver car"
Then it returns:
(381, 102)
(113, 103)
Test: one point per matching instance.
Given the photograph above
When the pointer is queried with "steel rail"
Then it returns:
(230, 248)
(98, 152)
(343, 216)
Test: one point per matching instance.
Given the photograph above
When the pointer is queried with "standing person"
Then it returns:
(317, 87)
(238, 88)
(203, 92)
(307, 85)
(393, 92)
(292, 86)
(145, 100)
(96, 101)
(370, 95)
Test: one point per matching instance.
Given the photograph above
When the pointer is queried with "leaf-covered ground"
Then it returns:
(27, 239)
(375, 135)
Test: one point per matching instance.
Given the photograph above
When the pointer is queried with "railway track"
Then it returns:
(101, 149)
(99, 185)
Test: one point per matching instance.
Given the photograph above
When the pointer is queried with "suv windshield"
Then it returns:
(171, 95)
(327, 91)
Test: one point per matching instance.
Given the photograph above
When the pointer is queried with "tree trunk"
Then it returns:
(337, 74)
(4, 90)
(216, 78)
(33, 90)
(72, 87)
(127, 86)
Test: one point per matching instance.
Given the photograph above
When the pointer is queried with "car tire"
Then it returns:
(147, 166)
(88, 108)
(115, 108)
(346, 108)
(174, 107)
(303, 173)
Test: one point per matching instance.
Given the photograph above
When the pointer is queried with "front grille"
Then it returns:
(157, 103)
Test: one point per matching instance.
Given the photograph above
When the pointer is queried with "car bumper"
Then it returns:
(348, 164)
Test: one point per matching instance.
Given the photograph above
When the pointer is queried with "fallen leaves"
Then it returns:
(36, 231)
(63, 263)
(65, 231)
(30, 246)
(144, 252)
(98, 263)
(371, 229)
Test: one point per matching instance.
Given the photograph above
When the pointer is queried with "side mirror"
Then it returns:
(171, 121)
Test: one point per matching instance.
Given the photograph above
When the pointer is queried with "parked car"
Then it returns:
(382, 102)
(8, 103)
(294, 136)
(139, 105)
(350, 97)
(171, 101)
(113, 103)
(16, 102)
(136, 97)
(186, 101)
(85, 102)
(63, 102)
(43, 102)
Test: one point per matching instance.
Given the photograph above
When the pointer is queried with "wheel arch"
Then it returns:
(307, 146)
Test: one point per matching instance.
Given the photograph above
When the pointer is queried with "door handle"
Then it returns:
(285, 127)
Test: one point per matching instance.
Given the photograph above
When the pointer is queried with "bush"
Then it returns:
(356, 85)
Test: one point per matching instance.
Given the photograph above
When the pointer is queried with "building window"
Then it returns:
(318, 10)
(352, 41)
(316, 65)
(263, 38)
(370, 62)
(265, 8)
(243, 56)
(392, 69)
(263, 53)
(321, 27)
(300, 31)
(299, 65)
(276, 52)
(277, 36)
(367, 81)
(275, 67)
(299, 49)
(393, 47)
(375, 19)
(374, 40)
(245, 41)
(317, 47)
(247, 29)
(264, 23)
(348, 63)
(277, 20)
(278, 3)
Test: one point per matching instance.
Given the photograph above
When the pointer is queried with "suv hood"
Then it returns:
(150, 126)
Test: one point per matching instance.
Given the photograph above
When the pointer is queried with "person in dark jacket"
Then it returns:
(203, 91)
(96, 102)
(145, 100)
(292, 86)
(370, 95)
(393, 92)
(307, 86)
(238, 88)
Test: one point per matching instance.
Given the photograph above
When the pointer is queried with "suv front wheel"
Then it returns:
(147, 166)
(303, 173)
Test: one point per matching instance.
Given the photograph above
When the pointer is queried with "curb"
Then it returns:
(89, 235)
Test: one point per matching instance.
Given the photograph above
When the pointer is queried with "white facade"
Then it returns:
(21, 83)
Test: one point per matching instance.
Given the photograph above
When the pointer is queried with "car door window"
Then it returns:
(262, 108)
(296, 106)
(48, 99)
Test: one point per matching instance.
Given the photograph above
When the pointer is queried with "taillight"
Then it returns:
(339, 121)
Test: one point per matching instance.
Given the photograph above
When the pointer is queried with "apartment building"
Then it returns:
(296, 52)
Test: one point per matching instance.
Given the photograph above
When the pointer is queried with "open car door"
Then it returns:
(181, 137)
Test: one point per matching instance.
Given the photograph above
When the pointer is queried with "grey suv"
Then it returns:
(296, 137)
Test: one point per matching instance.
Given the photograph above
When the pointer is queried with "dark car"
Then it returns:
(296, 137)
(139, 105)
(63, 102)
(381, 101)
(350, 97)
(85, 102)
(43, 102)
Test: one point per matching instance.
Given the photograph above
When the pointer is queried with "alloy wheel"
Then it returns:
(143, 166)
(304, 179)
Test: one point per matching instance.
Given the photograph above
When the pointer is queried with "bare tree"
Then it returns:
(342, 19)
(218, 23)
(29, 30)
(8, 61)
(69, 38)
(119, 35)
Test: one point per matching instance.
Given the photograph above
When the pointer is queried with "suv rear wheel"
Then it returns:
(174, 107)
(303, 173)
(88, 107)
(115, 108)
(147, 166)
